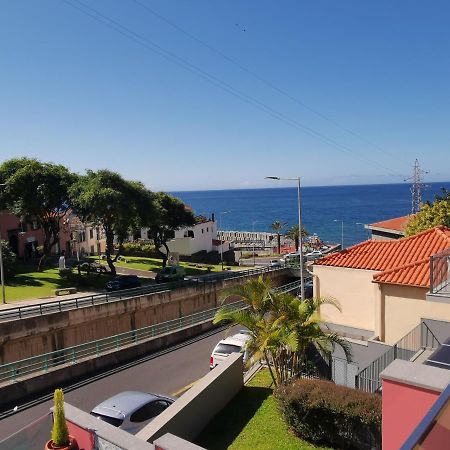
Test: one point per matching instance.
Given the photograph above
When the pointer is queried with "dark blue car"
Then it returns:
(123, 282)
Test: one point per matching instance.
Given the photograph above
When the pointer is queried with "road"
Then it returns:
(165, 374)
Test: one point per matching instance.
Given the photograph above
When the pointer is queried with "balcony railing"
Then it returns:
(440, 273)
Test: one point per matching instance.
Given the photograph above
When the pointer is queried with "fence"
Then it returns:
(440, 273)
(72, 355)
(21, 312)
(419, 338)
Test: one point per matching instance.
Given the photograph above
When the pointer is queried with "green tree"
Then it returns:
(37, 191)
(9, 259)
(278, 227)
(281, 326)
(171, 215)
(293, 234)
(431, 215)
(117, 205)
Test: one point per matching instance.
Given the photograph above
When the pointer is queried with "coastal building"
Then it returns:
(86, 238)
(382, 285)
(24, 238)
(199, 238)
(389, 229)
(248, 239)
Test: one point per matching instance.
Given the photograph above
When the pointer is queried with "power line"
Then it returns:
(264, 81)
(172, 57)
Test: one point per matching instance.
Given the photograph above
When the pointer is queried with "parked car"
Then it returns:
(315, 254)
(123, 282)
(131, 410)
(275, 263)
(232, 344)
(92, 267)
(308, 286)
(170, 273)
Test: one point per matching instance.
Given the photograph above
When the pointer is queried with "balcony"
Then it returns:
(440, 277)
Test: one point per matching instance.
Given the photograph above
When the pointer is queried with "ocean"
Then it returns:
(321, 206)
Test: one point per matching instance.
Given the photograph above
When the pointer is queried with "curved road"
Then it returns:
(167, 373)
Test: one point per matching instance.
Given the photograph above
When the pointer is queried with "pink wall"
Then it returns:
(85, 438)
(404, 406)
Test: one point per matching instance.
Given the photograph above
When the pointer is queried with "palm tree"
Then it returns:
(293, 234)
(281, 326)
(278, 226)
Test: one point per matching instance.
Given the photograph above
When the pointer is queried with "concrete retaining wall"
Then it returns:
(187, 417)
(23, 338)
(45, 383)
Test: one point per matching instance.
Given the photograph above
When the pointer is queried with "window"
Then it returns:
(207, 229)
(189, 233)
(111, 420)
(91, 234)
(148, 411)
(226, 349)
(203, 230)
(35, 225)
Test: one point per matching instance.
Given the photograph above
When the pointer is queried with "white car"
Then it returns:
(315, 254)
(275, 263)
(232, 344)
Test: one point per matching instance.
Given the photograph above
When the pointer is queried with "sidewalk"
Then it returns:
(36, 301)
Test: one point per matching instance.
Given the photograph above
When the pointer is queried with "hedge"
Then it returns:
(139, 249)
(327, 414)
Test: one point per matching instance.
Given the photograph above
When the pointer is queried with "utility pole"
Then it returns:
(2, 271)
(416, 187)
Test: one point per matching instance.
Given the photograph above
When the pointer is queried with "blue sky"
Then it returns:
(75, 91)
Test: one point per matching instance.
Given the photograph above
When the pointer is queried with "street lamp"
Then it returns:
(253, 230)
(2, 275)
(300, 228)
(221, 240)
(342, 232)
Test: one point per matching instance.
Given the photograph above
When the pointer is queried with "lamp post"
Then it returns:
(253, 230)
(300, 228)
(2, 274)
(221, 241)
(342, 232)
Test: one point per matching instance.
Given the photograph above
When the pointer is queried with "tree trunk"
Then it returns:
(296, 244)
(165, 256)
(279, 243)
(109, 250)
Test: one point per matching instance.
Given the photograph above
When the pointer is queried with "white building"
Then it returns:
(244, 239)
(201, 237)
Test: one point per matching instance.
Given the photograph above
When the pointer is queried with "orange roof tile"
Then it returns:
(403, 261)
(397, 224)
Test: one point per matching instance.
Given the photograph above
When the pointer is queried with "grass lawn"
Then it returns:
(28, 285)
(155, 265)
(251, 421)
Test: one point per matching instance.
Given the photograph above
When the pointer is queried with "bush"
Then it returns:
(65, 273)
(9, 259)
(138, 249)
(324, 413)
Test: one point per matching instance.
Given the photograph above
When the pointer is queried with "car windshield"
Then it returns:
(226, 349)
(111, 420)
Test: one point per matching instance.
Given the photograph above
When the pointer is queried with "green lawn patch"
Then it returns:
(155, 265)
(27, 284)
(251, 421)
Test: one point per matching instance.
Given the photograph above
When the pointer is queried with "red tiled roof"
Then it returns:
(397, 224)
(403, 261)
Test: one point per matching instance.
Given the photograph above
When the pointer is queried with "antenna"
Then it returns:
(416, 187)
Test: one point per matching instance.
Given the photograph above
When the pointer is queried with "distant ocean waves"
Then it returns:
(323, 207)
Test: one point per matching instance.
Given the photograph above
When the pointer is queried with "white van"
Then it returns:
(232, 344)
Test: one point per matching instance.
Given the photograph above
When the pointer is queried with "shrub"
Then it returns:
(138, 249)
(65, 273)
(324, 413)
(9, 259)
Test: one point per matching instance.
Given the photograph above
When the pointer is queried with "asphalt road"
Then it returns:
(164, 374)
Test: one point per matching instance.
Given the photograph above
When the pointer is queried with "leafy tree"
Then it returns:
(119, 206)
(37, 191)
(9, 259)
(293, 234)
(278, 227)
(171, 215)
(431, 215)
(281, 327)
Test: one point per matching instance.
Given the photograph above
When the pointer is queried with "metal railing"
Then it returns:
(55, 306)
(419, 338)
(295, 285)
(440, 273)
(72, 355)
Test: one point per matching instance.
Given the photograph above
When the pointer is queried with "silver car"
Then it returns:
(131, 410)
